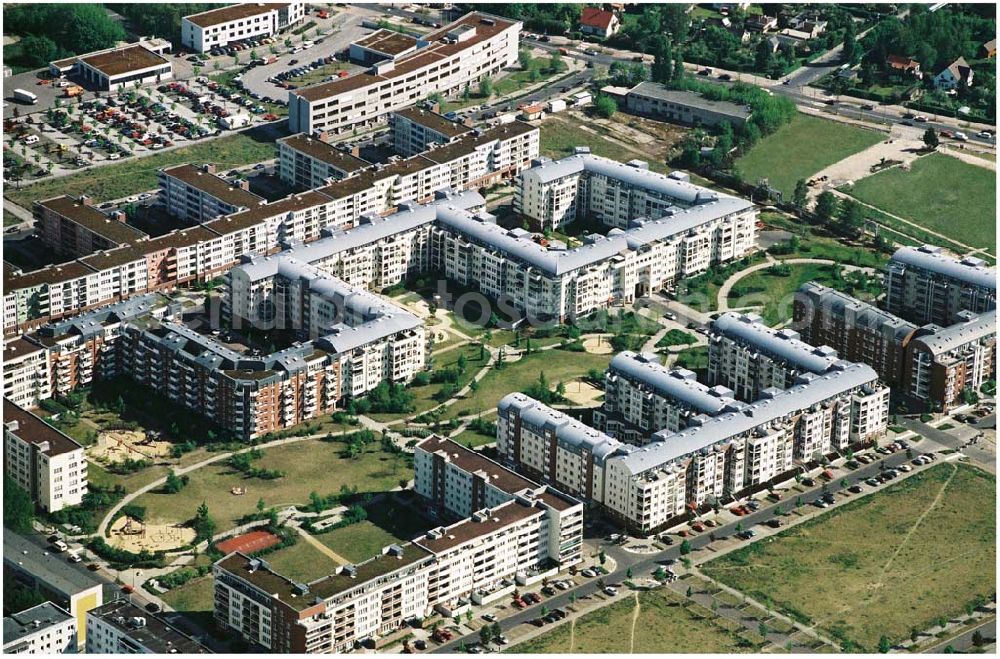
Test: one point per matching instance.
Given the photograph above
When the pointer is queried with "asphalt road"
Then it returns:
(963, 641)
(645, 564)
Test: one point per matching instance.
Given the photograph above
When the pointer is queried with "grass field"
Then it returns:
(662, 625)
(193, 600)
(939, 193)
(775, 293)
(139, 174)
(558, 366)
(301, 562)
(814, 244)
(423, 396)
(308, 465)
(559, 136)
(473, 438)
(386, 524)
(886, 564)
(802, 148)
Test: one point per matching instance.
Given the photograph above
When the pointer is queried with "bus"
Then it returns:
(25, 97)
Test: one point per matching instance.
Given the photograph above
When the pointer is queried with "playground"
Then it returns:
(598, 345)
(134, 535)
(582, 393)
(121, 445)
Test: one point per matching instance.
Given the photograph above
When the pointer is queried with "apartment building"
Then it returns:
(31, 563)
(641, 397)
(944, 363)
(416, 129)
(118, 68)
(858, 331)
(475, 46)
(42, 629)
(26, 378)
(747, 357)
(653, 99)
(308, 162)
(925, 285)
(74, 228)
(219, 27)
(478, 557)
(43, 461)
(553, 447)
(120, 627)
(197, 194)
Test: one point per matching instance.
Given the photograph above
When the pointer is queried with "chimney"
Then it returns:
(119, 216)
(86, 201)
(210, 168)
(244, 184)
(356, 151)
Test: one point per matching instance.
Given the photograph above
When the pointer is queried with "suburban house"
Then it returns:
(956, 74)
(988, 49)
(598, 22)
(903, 65)
(761, 23)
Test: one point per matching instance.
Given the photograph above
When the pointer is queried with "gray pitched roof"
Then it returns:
(570, 433)
(932, 258)
(783, 344)
(974, 328)
(864, 314)
(678, 384)
(813, 389)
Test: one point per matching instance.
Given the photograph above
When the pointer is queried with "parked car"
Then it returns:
(609, 590)
(856, 489)
(747, 534)
(867, 106)
(489, 617)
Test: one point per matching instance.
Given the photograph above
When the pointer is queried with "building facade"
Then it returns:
(74, 228)
(42, 629)
(120, 627)
(44, 462)
(217, 28)
(925, 285)
(416, 129)
(199, 195)
(26, 377)
(475, 46)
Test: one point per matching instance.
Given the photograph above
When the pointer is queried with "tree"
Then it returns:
(884, 645)
(486, 88)
(628, 573)
(260, 505)
(914, 635)
(685, 548)
(851, 218)
(689, 592)
(662, 69)
(762, 629)
(496, 631)
(605, 106)
(602, 557)
(38, 51)
(931, 140)
(851, 51)
(678, 74)
(174, 483)
(826, 206)
(485, 634)
(555, 62)
(801, 194)
(763, 56)
(524, 58)
(18, 508)
(977, 638)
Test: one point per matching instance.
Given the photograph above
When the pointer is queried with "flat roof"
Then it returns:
(257, 214)
(33, 621)
(476, 138)
(213, 185)
(124, 60)
(481, 523)
(689, 99)
(114, 257)
(233, 13)
(325, 152)
(436, 50)
(260, 574)
(19, 347)
(178, 238)
(92, 219)
(468, 460)
(52, 274)
(34, 557)
(33, 430)
(388, 42)
(155, 634)
(436, 122)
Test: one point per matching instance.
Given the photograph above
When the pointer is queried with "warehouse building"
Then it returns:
(651, 99)
(113, 69)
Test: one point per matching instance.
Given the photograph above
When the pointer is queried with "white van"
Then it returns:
(31, 139)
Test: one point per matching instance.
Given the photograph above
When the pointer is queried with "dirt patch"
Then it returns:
(597, 346)
(120, 445)
(134, 536)
(583, 393)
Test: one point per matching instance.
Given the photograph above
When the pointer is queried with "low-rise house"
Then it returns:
(761, 22)
(955, 75)
(903, 65)
(598, 22)
(117, 68)
(655, 100)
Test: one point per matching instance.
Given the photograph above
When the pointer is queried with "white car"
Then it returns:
(608, 590)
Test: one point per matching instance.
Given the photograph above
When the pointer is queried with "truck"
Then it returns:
(25, 97)
(73, 90)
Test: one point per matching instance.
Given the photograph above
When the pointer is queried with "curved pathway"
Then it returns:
(722, 301)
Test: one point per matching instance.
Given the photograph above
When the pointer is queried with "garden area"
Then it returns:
(897, 562)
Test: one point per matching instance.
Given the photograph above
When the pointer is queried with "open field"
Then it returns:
(139, 174)
(473, 439)
(662, 625)
(194, 600)
(940, 193)
(559, 136)
(800, 149)
(815, 244)
(308, 465)
(301, 562)
(387, 523)
(558, 366)
(891, 562)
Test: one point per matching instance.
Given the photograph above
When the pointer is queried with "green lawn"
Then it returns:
(666, 622)
(775, 293)
(939, 193)
(693, 359)
(424, 395)
(802, 148)
(558, 366)
(882, 565)
(308, 465)
(9, 219)
(194, 599)
(473, 438)
(389, 522)
(139, 174)
(814, 244)
(301, 562)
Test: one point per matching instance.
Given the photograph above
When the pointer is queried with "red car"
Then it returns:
(697, 526)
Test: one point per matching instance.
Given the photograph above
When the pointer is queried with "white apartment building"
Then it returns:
(446, 61)
(42, 629)
(416, 129)
(236, 22)
(478, 558)
(747, 356)
(642, 397)
(199, 195)
(26, 377)
(308, 162)
(122, 628)
(44, 462)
